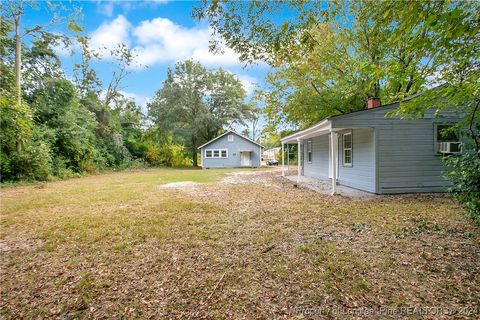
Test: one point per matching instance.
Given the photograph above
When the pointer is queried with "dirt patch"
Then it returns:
(179, 185)
(9, 245)
(246, 177)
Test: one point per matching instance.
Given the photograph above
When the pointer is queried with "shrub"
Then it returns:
(465, 177)
(61, 169)
(171, 155)
(34, 162)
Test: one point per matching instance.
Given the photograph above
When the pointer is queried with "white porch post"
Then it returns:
(288, 157)
(298, 161)
(283, 160)
(333, 163)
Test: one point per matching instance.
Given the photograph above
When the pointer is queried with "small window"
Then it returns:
(309, 151)
(447, 140)
(216, 153)
(230, 138)
(347, 149)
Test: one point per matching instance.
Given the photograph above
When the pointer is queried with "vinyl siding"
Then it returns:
(234, 147)
(415, 169)
(406, 161)
(320, 158)
(361, 175)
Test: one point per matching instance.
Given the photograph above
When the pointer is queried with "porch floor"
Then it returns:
(325, 187)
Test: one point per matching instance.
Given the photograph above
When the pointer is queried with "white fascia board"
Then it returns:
(321, 128)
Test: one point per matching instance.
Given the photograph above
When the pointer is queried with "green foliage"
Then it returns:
(170, 155)
(56, 106)
(465, 178)
(57, 128)
(329, 59)
(33, 162)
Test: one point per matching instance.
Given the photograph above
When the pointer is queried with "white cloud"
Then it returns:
(106, 8)
(161, 40)
(110, 34)
(249, 83)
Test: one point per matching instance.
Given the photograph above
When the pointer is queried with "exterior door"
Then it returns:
(245, 159)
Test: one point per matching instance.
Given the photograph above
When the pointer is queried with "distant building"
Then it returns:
(271, 153)
(231, 150)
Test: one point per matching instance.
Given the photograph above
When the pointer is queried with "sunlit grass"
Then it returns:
(122, 245)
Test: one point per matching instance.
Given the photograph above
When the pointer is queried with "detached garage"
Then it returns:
(231, 150)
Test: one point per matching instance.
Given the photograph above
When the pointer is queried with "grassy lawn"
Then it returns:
(127, 245)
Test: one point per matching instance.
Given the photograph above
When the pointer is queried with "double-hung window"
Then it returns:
(309, 151)
(216, 153)
(347, 149)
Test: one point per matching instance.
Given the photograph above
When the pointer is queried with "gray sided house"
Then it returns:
(231, 150)
(367, 151)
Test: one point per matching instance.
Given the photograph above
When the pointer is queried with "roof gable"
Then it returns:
(224, 134)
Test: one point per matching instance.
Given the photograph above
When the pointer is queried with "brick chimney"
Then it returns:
(373, 103)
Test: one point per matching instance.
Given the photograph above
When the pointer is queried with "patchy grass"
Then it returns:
(122, 245)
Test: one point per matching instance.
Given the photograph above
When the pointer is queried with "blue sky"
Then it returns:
(160, 32)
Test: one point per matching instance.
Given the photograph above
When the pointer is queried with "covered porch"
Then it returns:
(323, 128)
(325, 153)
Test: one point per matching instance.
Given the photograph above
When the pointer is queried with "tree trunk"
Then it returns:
(18, 69)
(18, 56)
(194, 151)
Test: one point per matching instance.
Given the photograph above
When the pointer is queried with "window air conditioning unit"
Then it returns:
(450, 147)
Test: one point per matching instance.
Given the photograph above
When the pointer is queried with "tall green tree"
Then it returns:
(195, 104)
(12, 13)
(330, 58)
(72, 139)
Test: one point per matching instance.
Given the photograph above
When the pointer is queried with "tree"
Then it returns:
(252, 120)
(447, 37)
(225, 102)
(195, 104)
(65, 128)
(12, 13)
(329, 59)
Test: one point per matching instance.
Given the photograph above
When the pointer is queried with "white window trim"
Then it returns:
(219, 153)
(350, 164)
(309, 150)
(230, 138)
